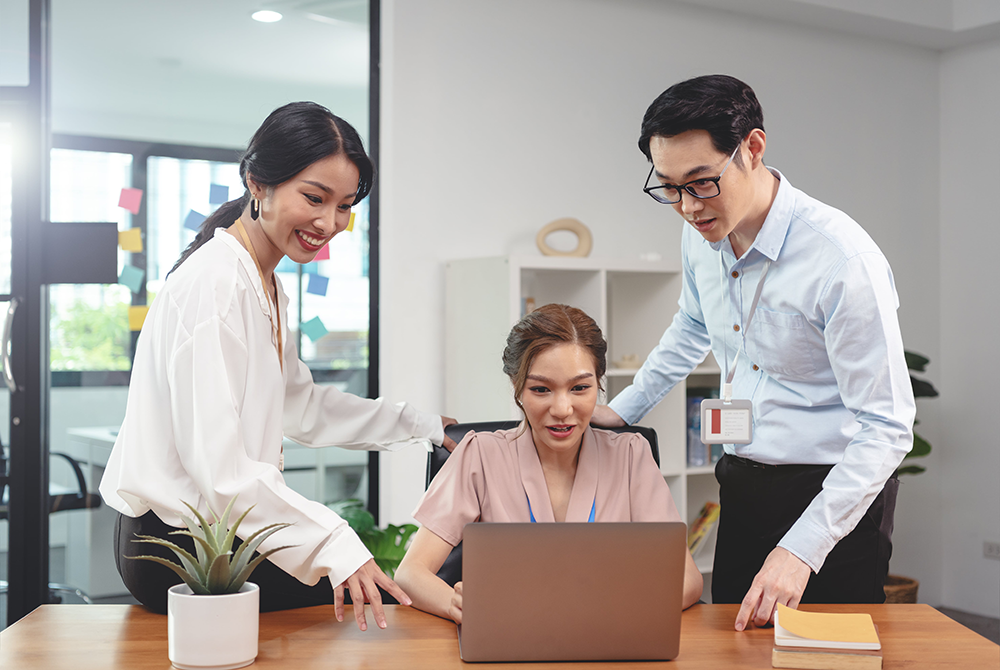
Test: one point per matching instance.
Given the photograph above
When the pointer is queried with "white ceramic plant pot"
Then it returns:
(218, 632)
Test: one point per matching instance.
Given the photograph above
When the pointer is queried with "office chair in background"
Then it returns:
(451, 569)
(61, 499)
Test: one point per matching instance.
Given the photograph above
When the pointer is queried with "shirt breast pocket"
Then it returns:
(782, 344)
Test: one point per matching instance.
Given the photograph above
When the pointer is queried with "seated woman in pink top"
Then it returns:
(554, 467)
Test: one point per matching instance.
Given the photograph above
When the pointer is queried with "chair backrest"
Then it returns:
(437, 457)
(451, 569)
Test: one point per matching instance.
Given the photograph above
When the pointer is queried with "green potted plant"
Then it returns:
(212, 618)
(899, 589)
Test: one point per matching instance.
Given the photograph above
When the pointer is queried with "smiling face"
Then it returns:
(559, 397)
(691, 155)
(299, 216)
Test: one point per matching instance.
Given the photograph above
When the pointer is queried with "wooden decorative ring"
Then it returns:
(584, 243)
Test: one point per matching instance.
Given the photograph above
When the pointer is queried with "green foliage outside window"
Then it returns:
(86, 337)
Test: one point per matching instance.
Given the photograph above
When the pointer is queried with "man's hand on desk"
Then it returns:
(363, 586)
(606, 417)
(782, 579)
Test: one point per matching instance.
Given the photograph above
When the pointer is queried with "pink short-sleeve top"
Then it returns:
(493, 477)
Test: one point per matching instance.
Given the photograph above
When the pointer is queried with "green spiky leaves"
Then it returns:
(216, 569)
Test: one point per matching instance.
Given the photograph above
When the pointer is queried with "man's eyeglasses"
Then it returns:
(670, 194)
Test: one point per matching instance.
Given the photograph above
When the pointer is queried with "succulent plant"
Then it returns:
(216, 570)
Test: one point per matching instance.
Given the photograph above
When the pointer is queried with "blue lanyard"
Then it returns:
(593, 511)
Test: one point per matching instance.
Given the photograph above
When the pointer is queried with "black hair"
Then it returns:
(722, 105)
(292, 138)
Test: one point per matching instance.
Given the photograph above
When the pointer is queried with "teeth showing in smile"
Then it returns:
(314, 241)
(561, 429)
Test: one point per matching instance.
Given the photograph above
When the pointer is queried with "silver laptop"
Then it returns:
(572, 591)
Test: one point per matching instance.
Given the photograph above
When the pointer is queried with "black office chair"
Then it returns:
(61, 499)
(451, 569)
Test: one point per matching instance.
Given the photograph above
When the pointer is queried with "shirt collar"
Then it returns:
(772, 233)
(246, 262)
(584, 490)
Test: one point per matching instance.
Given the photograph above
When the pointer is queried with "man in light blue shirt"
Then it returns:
(807, 505)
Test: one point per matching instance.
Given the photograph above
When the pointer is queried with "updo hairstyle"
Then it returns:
(548, 326)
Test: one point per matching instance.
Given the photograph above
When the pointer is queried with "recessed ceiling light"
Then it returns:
(266, 16)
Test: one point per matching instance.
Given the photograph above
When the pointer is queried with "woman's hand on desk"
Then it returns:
(363, 586)
(449, 443)
(455, 610)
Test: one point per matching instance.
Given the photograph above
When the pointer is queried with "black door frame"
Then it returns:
(29, 108)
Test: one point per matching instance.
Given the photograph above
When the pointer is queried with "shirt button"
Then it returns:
(735, 274)
(736, 327)
(755, 368)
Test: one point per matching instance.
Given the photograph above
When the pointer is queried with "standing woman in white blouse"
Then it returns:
(217, 382)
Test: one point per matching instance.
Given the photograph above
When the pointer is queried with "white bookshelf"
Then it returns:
(633, 301)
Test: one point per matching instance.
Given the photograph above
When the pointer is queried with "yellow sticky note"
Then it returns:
(350, 224)
(136, 317)
(130, 240)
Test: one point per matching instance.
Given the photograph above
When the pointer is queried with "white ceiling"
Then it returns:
(935, 24)
(325, 42)
(319, 41)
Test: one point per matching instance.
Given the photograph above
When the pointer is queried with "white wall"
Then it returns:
(499, 117)
(970, 237)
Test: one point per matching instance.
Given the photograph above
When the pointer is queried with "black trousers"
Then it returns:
(759, 504)
(149, 581)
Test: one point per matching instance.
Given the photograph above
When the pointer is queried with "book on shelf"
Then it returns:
(825, 641)
(699, 454)
(701, 526)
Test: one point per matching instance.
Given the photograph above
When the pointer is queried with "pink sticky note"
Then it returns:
(323, 254)
(130, 199)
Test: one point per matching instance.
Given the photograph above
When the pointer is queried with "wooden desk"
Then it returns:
(107, 637)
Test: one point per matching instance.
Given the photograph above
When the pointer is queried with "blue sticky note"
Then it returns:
(314, 328)
(318, 284)
(218, 194)
(310, 268)
(132, 277)
(193, 220)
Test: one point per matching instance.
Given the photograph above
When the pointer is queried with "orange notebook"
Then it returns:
(825, 641)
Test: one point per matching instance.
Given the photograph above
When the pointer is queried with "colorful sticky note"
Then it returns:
(131, 276)
(314, 328)
(193, 220)
(218, 194)
(136, 316)
(323, 254)
(130, 240)
(350, 224)
(317, 284)
(130, 199)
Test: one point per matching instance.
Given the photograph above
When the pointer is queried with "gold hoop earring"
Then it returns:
(254, 208)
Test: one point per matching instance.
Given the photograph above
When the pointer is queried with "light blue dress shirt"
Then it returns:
(823, 362)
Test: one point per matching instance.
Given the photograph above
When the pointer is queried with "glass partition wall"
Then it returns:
(160, 116)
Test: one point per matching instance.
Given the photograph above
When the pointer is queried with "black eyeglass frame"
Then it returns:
(648, 190)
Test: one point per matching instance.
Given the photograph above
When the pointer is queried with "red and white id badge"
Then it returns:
(726, 422)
